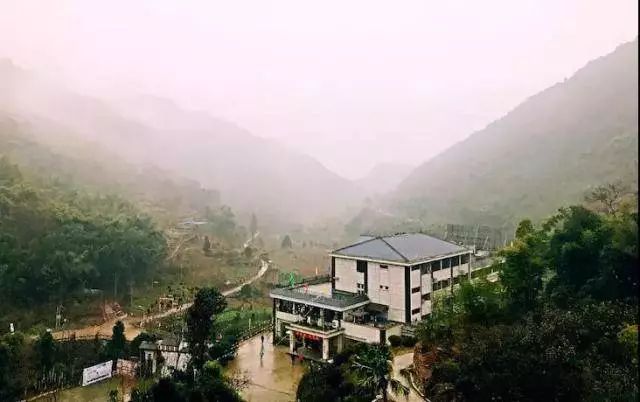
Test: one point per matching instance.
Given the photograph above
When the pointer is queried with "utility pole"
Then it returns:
(115, 285)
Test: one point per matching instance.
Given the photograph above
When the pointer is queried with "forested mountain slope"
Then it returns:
(50, 151)
(547, 152)
(251, 173)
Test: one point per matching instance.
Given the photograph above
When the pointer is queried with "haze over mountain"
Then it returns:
(384, 177)
(546, 153)
(251, 173)
(351, 84)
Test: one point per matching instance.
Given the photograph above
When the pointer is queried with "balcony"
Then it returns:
(336, 301)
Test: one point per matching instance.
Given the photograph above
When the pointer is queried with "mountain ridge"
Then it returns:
(519, 156)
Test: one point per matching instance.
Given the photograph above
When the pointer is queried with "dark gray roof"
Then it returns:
(403, 248)
(146, 345)
(337, 301)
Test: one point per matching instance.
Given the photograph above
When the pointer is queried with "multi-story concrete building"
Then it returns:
(376, 286)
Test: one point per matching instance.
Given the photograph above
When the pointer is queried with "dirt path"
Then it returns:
(133, 325)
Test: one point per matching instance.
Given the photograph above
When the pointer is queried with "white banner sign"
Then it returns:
(97, 373)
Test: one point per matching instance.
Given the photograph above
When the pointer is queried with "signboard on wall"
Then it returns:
(99, 372)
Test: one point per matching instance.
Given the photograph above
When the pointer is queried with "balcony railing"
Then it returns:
(336, 300)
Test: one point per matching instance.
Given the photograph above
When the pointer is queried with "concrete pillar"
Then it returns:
(321, 318)
(340, 345)
(292, 341)
(325, 348)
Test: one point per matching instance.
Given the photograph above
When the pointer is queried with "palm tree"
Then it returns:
(372, 369)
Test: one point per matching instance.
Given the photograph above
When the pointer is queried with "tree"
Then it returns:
(525, 227)
(46, 351)
(248, 252)
(372, 369)
(113, 395)
(14, 369)
(118, 343)
(253, 227)
(200, 317)
(480, 302)
(286, 242)
(593, 256)
(608, 196)
(321, 383)
(522, 271)
(206, 245)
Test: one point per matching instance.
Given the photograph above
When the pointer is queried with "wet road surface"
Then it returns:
(272, 378)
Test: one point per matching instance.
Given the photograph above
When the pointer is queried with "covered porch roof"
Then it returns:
(335, 301)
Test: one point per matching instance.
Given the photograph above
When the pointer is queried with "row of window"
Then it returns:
(445, 263)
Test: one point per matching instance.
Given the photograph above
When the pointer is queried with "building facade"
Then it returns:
(376, 286)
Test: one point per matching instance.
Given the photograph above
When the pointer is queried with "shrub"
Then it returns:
(408, 341)
(395, 340)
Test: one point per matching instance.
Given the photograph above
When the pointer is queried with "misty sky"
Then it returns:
(352, 83)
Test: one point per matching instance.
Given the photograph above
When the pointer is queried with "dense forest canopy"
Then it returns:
(561, 324)
(56, 242)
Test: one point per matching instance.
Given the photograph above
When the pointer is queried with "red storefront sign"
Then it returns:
(307, 336)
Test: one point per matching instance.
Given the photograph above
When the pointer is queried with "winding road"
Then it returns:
(132, 328)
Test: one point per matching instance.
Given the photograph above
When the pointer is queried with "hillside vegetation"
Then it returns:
(549, 151)
(57, 243)
(48, 150)
(253, 174)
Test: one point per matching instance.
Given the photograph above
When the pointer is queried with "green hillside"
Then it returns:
(548, 152)
(51, 151)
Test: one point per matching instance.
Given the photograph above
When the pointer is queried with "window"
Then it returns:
(360, 285)
(437, 285)
(415, 290)
(384, 266)
(436, 266)
(415, 311)
(446, 263)
(455, 261)
(464, 259)
(426, 296)
(456, 280)
(424, 269)
(445, 283)
(415, 267)
(361, 266)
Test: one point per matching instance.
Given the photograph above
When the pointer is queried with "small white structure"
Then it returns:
(98, 372)
(172, 350)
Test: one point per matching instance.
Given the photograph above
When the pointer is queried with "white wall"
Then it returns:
(373, 278)
(287, 316)
(395, 330)
(426, 283)
(362, 333)
(396, 293)
(346, 275)
(442, 274)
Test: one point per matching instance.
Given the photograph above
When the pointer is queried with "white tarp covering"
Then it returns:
(97, 373)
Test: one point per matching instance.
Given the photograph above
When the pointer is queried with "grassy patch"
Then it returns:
(91, 393)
